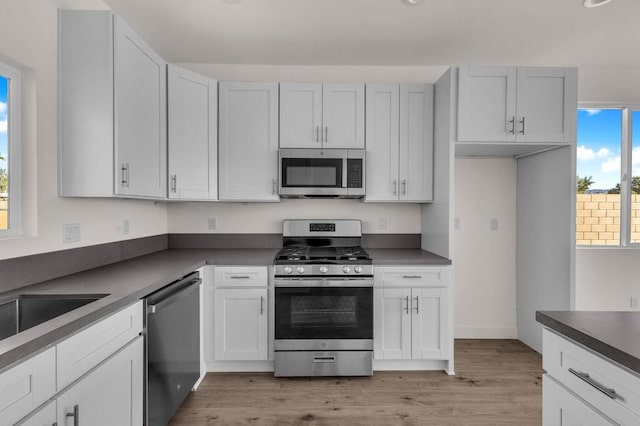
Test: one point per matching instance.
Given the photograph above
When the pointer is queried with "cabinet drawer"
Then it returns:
(245, 276)
(26, 386)
(398, 276)
(88, 348)
(584, 372)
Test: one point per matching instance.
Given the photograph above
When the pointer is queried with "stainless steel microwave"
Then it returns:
(321, 173)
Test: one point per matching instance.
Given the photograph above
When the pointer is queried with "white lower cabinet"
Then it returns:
(240, 306)
(581, 387)
(99, 370)
(109, 395)
(412, 317)
(563, 408)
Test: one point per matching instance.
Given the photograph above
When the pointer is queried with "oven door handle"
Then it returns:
(347, 282)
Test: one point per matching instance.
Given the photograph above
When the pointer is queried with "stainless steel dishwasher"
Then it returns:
(172, 347)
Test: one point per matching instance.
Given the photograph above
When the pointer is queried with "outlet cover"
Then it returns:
(125, 227)
(70, 233)
(494, 224)
(212, 224)
(382, 223)
(634, 301)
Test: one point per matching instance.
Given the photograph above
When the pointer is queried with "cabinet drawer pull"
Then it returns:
(417, 305)
(174, 183)
(404, 187)
(325, 359)
(406, 307)
(240, 277)
(261, 305)
(395, 187)
(326, 134)
(513, 125)
(75, 414)
(611, 393)
(411, 277)
(274, 187)
(317, 134)
(522, 122)
(125, 175)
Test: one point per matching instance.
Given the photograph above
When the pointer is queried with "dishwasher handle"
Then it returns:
(180, 290)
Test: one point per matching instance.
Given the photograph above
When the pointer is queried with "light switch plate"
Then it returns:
(70, 233)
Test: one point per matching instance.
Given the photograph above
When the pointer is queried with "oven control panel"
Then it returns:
(323, 270)
(322, 227)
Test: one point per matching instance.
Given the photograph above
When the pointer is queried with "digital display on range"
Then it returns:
(322, 227)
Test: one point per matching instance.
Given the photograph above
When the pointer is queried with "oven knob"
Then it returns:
(346, 269)
(324, 269)
(357, 269)
(288, 269)
(300, 269)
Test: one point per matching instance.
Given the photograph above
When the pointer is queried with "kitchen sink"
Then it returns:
(27, 311)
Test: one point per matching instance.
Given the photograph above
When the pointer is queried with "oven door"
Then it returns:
(324, 317)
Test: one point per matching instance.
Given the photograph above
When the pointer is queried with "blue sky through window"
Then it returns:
(599, 146)
(3, 120)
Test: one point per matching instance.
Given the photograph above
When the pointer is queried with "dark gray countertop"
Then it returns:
(615, 335)
(130, 280)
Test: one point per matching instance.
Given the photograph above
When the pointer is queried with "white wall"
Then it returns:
(606, 278)
(484, 259)
(28, 40)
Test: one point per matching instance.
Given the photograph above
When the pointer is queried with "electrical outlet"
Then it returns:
(125, 227)
(494, 224)
(456, 224)
(382, 223)
(634, 301)
(70, 233)
(212, 224)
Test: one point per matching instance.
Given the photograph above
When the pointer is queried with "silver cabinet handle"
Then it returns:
(417, 305)
(274, 188)
(513, 125)
(240, 277)
(174, 183)
(261, 305)
(324, 359)
(317, 134)
(611, 393)
(75, 415)
(406, 306)
(125, 175)
(411, 277)
(395, 187)
(404, 187)
(522, 122)
(326, 134)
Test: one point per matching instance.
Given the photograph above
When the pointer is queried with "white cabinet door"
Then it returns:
(109, 395)
(562, 408)
(343, 115)
(430, 323)
(546, 103)
(382, 137)
(248, 144)
(140, 116)
(416, 143)
(486, 104)
(241, 324)
(192, 101)
(46, 416)
(300, 115)
(392, 328)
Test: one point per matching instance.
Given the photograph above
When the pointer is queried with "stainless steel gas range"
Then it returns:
(323, 300)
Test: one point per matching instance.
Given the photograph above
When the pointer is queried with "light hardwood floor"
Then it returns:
(497, 382)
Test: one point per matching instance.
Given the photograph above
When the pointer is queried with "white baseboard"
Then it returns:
(485, 332)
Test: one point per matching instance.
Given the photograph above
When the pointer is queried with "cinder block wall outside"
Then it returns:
(598, 219)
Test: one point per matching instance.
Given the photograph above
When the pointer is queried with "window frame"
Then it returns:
(14, 161)
(626, 170)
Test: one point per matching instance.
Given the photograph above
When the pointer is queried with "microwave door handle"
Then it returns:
(344, 172)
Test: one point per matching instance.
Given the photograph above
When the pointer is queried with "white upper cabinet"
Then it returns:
(321, 115)
(300, 115)
(248, 144)
(112, 121)
(400, 142)
(509, 104)
(192, 101)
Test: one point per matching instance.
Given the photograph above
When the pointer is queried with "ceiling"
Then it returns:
(386, 32)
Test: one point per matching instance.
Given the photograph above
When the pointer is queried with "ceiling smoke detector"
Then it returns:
(595, 3)
(412, 2)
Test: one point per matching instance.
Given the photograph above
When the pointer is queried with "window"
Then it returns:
(608, 176)
(9, 150)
